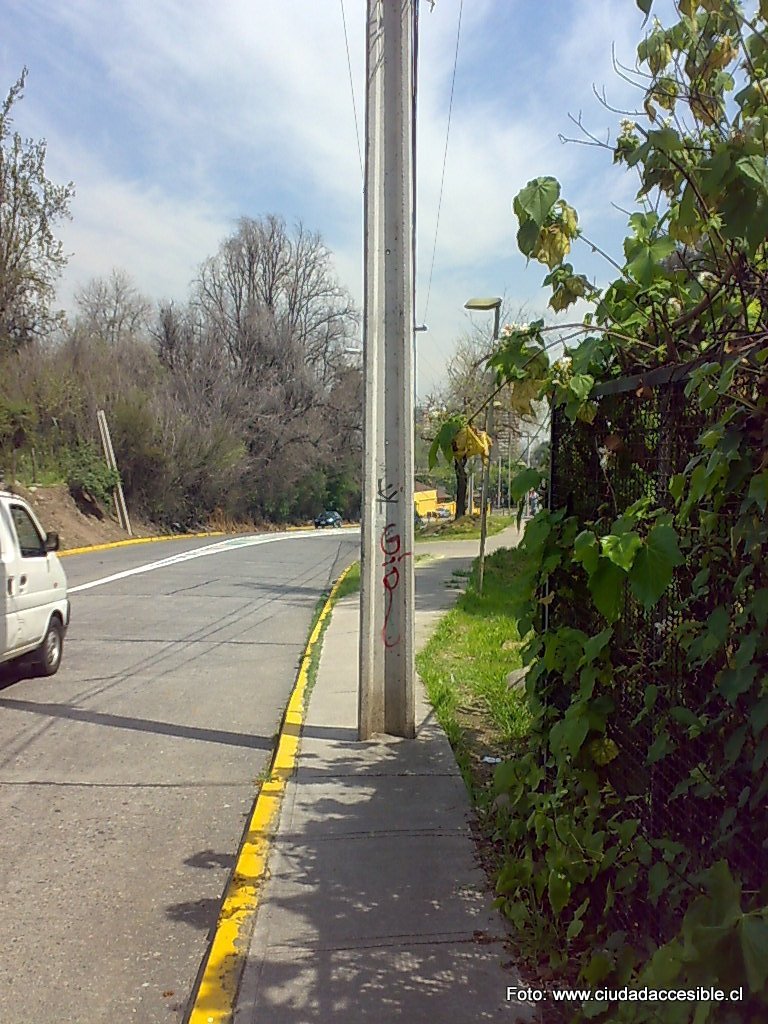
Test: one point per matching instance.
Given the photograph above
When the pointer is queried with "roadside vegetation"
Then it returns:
(464, 528)
(630, 822)
(351, 582)
(238, 404)
(466, 668)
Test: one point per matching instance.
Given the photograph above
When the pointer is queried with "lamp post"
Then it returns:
(485, 305)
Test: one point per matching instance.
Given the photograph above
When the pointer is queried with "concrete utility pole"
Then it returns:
(387, 583)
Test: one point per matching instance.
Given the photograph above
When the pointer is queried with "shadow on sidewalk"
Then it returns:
(375, 908)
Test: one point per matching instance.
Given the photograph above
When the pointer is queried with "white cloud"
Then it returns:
(174, 117)
(160, 241)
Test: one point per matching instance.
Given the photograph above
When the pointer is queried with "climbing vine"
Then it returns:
(689, 303)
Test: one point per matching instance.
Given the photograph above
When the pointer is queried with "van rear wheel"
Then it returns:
(48, 654)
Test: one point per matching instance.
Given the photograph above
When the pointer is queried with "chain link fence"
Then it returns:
(641, 436)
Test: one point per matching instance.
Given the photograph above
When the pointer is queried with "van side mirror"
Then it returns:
(52, 541)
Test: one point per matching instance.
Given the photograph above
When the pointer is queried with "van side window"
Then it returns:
(31, 543)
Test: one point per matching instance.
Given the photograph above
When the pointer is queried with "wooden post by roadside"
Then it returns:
(109, 455)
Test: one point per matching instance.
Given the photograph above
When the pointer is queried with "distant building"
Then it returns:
(427, 500)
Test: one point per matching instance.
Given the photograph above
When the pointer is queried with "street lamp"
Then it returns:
(485, 306)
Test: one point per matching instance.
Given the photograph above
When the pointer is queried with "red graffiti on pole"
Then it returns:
(391, 544)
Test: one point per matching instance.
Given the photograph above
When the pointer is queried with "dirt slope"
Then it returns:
(57, 510)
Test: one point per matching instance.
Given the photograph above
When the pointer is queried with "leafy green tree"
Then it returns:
(31, 257)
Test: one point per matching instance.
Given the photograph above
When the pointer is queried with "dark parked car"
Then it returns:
(328, 518)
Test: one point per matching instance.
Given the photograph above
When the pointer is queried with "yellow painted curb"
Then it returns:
(214, 1001)
(135, 540)
(154, 540)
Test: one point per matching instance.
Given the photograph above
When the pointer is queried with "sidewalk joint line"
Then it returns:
(398, 941)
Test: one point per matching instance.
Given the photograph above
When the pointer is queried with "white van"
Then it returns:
(34, 608)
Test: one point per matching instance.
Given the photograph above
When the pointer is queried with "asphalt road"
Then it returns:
(126, 779)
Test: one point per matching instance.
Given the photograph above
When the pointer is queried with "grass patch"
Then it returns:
(466, 528)
(351, 582)
(349, 585)
(465, 667)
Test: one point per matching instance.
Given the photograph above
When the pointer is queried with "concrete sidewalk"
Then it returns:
(375, 908)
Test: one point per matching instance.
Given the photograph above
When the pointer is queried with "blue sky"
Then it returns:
(175, 117)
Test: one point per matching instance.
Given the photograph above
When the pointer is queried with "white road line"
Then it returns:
(209, 549)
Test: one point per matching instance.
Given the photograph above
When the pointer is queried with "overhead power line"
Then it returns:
(352, 89)
(445, 159)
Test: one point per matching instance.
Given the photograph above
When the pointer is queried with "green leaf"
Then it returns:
(626, 830)
(603, 751)
(714, 174)
(703, 1012)
(434, 451)
(651, 571)
(581, 384)
(594, 1007)
(758, 489)
(537, 199)
(599, 967)
(753, 936)
(659, 749)
(527, 237)
(732, 682)
(445, 435)
(645, 6)
(760, 607)
(666, 139)
(725, 893)
(558, 890)
(658, 877)
(606, 585)
(754, 168)
(735, 745)
(746, 652)
(517, 913)
(505, 776)
(524, 482)
(718, 623)
(596, 644)
(621, 550)
(644, 258)
(685, 225)
(585, 551)
(677, 486)
(686, 717)
(758, 717)
(569, 734)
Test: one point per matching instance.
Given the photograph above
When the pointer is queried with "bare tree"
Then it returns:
(112, 309)
(266, 286)
(31, 257)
